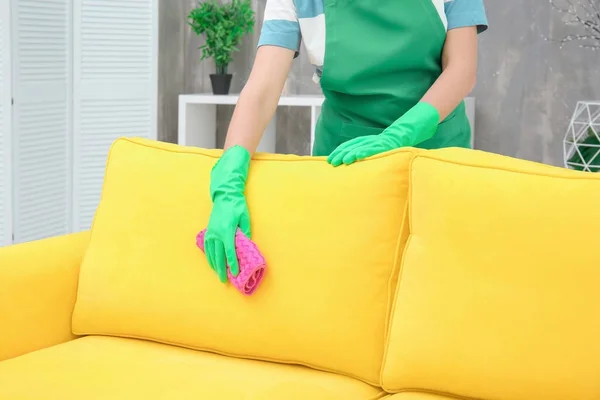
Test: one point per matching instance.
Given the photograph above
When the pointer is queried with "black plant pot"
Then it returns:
(220, 83)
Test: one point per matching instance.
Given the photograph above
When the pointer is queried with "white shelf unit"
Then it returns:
(198, 118)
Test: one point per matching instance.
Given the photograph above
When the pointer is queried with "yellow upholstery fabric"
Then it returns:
(38, 285)
(103, 368)
(417, 396)
(498, 293)
(332, 239)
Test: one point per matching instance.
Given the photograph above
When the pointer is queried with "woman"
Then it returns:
(394, 73)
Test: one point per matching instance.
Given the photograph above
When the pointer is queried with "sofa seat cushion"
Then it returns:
(97, 367)
(417, 396)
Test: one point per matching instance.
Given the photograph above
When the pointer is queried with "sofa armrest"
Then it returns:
(38, 288)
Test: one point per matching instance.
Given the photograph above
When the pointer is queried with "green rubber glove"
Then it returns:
(230, 211)
(416, 126)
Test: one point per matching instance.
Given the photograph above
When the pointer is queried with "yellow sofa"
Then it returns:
(414, 275)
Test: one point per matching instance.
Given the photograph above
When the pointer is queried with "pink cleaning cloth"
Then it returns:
(252, 263)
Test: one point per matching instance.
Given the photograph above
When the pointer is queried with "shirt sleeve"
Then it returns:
(462, 13)
(280, 27)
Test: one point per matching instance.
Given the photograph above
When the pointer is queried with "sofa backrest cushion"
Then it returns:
(498, 292)
(332, 238)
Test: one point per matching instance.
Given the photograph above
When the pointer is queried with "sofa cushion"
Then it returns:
(498, 293)
(98, 367)
(332, 238)
(417, 396)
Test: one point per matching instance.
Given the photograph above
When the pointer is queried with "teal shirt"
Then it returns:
(287, 23)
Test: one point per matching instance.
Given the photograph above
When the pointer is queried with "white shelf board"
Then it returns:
(232, 99)
(197, 117)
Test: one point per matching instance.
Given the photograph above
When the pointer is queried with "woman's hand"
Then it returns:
(229, 212)
(253, 112)
(415, 126)
(459, 68)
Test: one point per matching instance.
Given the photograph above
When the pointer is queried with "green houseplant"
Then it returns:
(224, 25)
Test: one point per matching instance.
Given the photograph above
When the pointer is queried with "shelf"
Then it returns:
(198, 118)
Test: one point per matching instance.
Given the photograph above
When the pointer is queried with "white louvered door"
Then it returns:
(5, 126)
(115, 88)
(41, 118)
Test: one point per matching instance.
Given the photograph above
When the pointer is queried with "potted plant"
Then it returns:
(224, 26)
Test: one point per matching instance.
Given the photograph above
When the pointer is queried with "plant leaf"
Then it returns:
(224, 27)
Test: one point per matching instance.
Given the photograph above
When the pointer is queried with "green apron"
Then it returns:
(381, 57)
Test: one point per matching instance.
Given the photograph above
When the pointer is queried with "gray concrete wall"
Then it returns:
(526, 91)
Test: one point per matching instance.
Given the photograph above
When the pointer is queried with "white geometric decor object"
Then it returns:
(581, 146)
